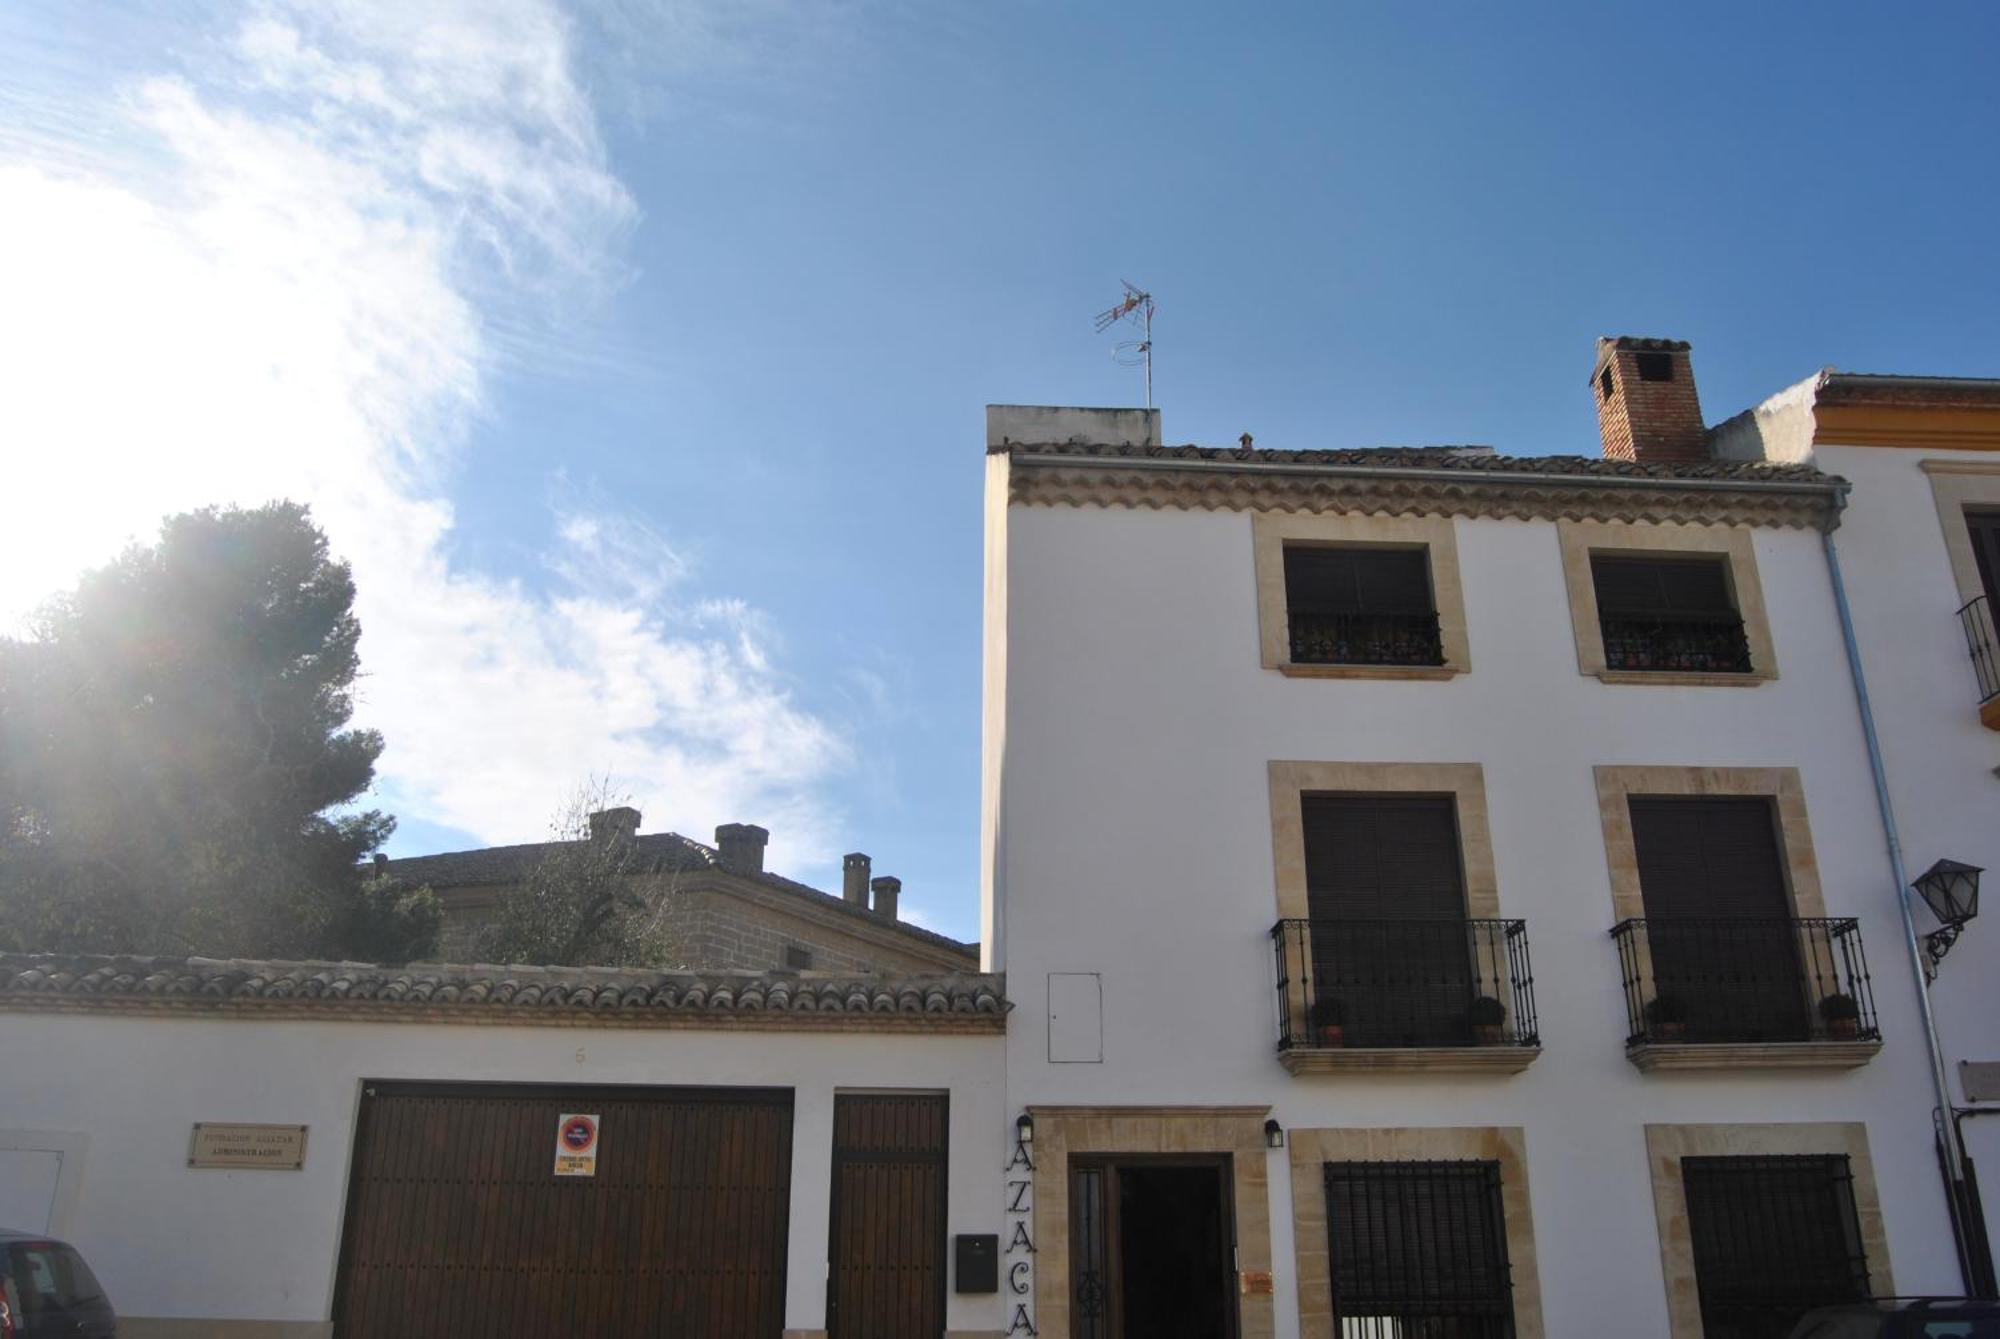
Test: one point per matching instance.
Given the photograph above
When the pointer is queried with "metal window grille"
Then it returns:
(1976, 617)
(1403, 983)
(1669, 615)
(1418, 1251)
(1773, 1237)
(1361, 606)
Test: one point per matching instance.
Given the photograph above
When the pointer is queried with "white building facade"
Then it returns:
(1441, 890)
(1919, 550)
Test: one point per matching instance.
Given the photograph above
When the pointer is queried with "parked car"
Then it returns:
(46, 1290)
(1903, 1318)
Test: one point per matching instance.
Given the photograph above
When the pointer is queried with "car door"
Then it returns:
(52, 1292)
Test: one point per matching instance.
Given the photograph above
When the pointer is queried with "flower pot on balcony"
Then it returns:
(1329, 1018)
(1842, 1017)
(1489, 1021)
(1666, 1019)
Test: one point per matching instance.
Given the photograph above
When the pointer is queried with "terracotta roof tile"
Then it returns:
(28, 979)
(1472, 460)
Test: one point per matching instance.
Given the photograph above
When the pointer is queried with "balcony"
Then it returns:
(1365, 639)
(1746, 993)
(1679, 643)
(1976, 617)
(1437, 994)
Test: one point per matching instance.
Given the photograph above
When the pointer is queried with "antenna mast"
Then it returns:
(1137, 307)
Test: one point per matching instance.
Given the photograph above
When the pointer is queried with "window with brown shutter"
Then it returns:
(1675, 614)
(1385, 897)
(1719, 924)
(1364, 605)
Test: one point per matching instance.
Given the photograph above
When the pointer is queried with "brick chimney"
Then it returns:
(742, 847)
(854, 878)
(620, 822)
(887, 889)
(1647, 409)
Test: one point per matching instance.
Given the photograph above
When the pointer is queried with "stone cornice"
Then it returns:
(1214, 485)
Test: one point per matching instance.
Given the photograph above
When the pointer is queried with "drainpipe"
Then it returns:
(1973, 1273)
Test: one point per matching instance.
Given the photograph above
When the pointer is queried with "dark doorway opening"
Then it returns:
(1153, 1249)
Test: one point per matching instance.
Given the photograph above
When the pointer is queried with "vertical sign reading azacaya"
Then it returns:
(1020, 1171)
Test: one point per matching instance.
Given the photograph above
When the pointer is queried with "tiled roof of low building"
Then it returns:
(1472, 460)
(586, 996)
(658, 852)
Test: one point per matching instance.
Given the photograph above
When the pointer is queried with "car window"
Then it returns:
(49, 1279)
(1984, 1327)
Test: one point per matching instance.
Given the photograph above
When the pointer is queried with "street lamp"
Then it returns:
(1951, 890)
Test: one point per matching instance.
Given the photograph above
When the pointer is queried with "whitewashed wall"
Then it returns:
(1134, 839)
(168, 1241)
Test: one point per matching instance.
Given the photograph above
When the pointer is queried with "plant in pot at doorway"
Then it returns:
(1329, 1019)
(1842, 1017)
(1666, 1019)
(1489, 1020)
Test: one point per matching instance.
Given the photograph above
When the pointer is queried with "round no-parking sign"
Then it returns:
(576, 1144)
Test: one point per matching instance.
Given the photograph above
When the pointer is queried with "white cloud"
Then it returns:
(273, 278)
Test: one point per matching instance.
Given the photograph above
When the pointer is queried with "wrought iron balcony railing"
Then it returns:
(1365, 639)
(1713, 980)
(1686, 643)
(1976, 617)
(1404, 983)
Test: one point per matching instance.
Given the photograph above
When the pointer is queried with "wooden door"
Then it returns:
(1719, 924)
(886, 1244)
(1386, 897)
(457, 1224)
(1152, 1247)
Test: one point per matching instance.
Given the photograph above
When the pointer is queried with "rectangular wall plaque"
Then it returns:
(278, 1148)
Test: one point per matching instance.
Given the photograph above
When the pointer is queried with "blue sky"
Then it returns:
(636, 351)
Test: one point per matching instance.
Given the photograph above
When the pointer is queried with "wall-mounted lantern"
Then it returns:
(1274, 1134)
(1951, 890)
(1024, 1129)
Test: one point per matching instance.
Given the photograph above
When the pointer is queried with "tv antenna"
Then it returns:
(1137, 307)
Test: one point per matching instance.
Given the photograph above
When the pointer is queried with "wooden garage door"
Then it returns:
(457, 1224)
(886, 1247)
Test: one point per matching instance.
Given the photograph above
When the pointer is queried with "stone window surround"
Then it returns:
(1666, 1145)
(1781, 785)
(1580, 539)
(1311, 1149)
(1271, 531)
(1236, 1131)
(1465, 783)
(1956, 485)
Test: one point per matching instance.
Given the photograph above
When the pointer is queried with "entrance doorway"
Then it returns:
(1152, 1248)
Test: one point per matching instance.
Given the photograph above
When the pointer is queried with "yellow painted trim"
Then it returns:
(1914, 427)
